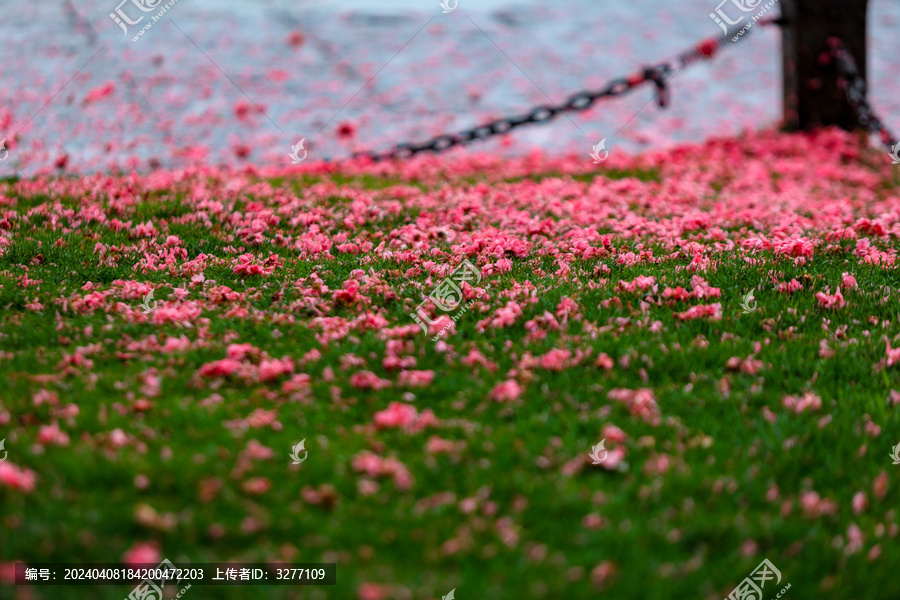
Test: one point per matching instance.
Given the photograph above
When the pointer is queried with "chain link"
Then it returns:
(853, 85)
(849, 79)
(658, 75)
(577, 102)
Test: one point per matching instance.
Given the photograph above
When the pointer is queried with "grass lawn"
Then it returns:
(609, 307)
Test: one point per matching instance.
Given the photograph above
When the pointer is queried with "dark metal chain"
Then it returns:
(577, 102)
(849, 79)
(658, 75)
(852, 83)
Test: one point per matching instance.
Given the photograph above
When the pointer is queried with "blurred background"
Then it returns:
(352, 75)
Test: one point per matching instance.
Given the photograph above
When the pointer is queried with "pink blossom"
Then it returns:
(17, 478)
(142, 553)
(848, 281)
(855, 539)
(256, 451)
(893, 356)
(415, 378)
(592, 521)
(367, 380)
(346, 130)
(789, 287)
(372, 591)
(98, 93)
(713, 311)
(8, 572)
(614, 458)
(271, 369)
(256, 486)
(297, 39)
(657, 464)
(835, 300)
(506, 391)
(437, 445)
(181, 314)
(640, 402)
(893, 395)
(261, 417)
(367, 487)
(474, 357)
(298, 382)
(604, 362)
(151, 383)
(565, 307)
(809, 400)
(556, 359)
(602, 574)
(503, 317)
(48, 397)
(405, 416)
(51, 434)
(871, 428)
(678, 293)
(640, 282)
(376, 466)
(118, 438)
(220, 368)
(240, 351)
(702, 289)
(613, 434)
(747, 365)
(815, 506)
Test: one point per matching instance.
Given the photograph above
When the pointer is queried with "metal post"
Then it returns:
(811, 94)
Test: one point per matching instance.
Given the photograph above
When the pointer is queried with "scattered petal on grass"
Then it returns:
(17, 477)
(507, 391)
(808, 401)
(404, 416)
(142, 552)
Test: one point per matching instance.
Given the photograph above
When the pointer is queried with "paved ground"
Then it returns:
(79, 88)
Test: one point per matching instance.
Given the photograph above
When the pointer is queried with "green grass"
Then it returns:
(676, 535)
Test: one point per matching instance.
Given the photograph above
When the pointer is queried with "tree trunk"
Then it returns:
(811, 94)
